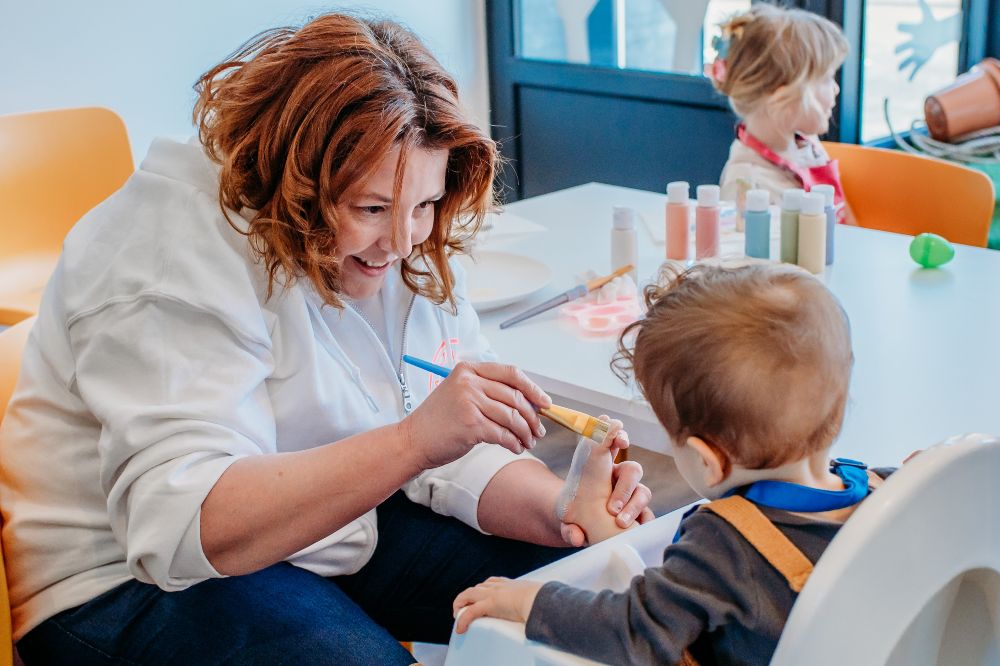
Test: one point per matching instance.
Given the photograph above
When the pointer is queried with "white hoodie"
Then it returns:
(156, 362)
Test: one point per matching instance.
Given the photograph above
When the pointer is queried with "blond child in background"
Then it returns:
(747, 369)
(777, 68)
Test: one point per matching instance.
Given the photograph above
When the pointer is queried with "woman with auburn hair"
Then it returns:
(215, 453)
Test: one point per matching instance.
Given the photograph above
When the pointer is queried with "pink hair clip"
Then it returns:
(717, 70)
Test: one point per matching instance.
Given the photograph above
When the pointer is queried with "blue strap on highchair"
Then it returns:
(803, 499)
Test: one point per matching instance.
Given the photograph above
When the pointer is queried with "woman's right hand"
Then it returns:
(477, 402)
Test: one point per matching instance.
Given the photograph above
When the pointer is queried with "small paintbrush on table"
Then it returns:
(579, 291)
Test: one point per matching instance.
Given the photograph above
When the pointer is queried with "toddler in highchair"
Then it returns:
(777, 66)
(747, 368)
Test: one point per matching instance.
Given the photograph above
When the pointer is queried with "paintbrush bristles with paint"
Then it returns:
(579, 291)
(578, 422)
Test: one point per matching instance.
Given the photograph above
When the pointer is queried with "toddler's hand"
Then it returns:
(501, 598)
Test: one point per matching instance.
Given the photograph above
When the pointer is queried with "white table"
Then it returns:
(925, 341)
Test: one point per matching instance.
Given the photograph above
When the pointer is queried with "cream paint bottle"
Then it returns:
(707, 221)
(791, 201)
(812, 232)
(678, 220)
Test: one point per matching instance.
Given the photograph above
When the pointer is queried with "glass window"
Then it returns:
(910, 50)
(652, 35)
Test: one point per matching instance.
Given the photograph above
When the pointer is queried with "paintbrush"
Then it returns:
(580, 423)
(579, 291)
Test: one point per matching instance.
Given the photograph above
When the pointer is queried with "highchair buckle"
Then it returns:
(847, 462)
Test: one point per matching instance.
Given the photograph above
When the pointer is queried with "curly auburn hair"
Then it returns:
(300, 118)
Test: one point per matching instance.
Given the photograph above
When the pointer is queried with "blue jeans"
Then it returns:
(286, 615)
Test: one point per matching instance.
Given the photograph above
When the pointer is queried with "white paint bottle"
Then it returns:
(812, 232)
(624, 241)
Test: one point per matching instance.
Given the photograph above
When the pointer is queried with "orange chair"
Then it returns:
(54, 167)
(12, 342)
(891, 190)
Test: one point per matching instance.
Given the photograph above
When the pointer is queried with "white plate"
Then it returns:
(496, 279)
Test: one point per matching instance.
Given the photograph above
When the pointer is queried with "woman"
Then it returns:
(212, 403)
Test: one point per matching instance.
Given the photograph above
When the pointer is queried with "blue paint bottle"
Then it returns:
(831, 217)
(758, 224)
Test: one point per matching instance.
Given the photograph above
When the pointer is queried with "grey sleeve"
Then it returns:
(705, 582)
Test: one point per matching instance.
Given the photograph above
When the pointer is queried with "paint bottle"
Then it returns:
(624, 242)
(831, 217)
(791, 201)
(812, 232)
(758, 224)
(678, 220)
(707, 221)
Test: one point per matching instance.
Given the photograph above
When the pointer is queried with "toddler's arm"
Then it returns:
(704, 582)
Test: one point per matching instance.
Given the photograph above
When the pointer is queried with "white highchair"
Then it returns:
(913, 578)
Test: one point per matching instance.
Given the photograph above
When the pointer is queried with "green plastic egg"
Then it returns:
(931, 251)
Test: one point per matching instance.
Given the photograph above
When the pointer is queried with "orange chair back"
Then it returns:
(12, 341)
(54, 167)
(891, 190)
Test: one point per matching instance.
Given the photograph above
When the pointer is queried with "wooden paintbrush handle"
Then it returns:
(597, 283)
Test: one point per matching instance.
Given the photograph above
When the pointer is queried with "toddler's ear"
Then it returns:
(713, 462)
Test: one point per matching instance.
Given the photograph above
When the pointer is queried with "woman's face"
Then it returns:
(365, 219)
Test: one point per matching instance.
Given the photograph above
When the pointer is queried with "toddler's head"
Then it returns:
(781, 61)
(752, 362)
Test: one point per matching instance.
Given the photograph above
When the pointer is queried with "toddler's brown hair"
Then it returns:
(755, 360)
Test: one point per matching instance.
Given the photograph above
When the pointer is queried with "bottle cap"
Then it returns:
(677, 192)
(624, 218)
(758, 200)
(826, 191)
(791, 199)
(708, 195)
(813, 203)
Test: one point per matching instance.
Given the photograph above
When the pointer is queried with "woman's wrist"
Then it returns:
(404, 448)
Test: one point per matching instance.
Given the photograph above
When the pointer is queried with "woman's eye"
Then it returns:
(372, 210)
(427, 204)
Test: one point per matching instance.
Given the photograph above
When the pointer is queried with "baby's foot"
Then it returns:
(584, 497)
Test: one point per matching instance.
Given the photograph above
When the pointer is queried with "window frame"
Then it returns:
(974, 45)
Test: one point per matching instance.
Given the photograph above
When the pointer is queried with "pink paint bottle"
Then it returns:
(707, 221)
(678, 220)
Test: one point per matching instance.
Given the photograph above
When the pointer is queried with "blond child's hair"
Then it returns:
(769, 48)
(754, 359)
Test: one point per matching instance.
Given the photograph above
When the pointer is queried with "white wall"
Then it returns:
(141, 57)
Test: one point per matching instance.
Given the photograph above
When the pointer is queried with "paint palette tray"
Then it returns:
(602, 318)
